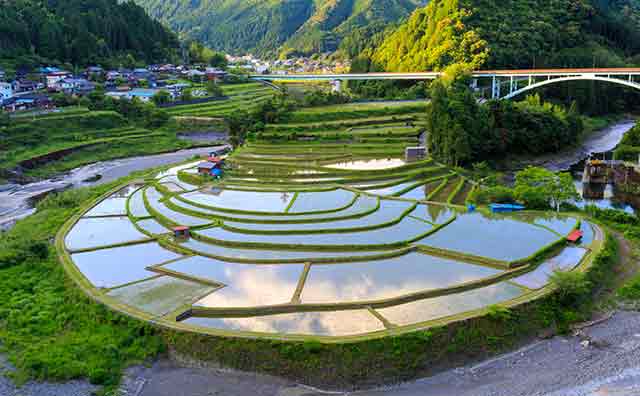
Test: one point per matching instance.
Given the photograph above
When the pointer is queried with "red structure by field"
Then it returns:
(575, 236)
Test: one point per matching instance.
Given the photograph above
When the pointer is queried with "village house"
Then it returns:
(53, 77)
(216, 75)
(6, 91)
(94, 72)
(113, 75)
(77, 86)
(142, 94)
(196, 75)
(141, 73)
(24, 85)
(28, 101)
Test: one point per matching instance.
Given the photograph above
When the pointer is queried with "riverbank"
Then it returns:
(17, 201)
(598, 141)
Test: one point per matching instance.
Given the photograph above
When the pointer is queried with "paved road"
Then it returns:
(603, 360)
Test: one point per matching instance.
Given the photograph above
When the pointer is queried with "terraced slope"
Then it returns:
(239, 97)
(61, 141)
(328, 260)
(326, 236)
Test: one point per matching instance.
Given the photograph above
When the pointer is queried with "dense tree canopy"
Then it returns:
(281, 26)
(516, 34)
(81, 32)
(462, 131)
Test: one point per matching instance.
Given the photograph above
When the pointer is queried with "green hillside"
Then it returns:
(514, 34)
(271, 26)
(81, 32)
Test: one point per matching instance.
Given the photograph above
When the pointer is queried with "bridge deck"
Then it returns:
(434, 74)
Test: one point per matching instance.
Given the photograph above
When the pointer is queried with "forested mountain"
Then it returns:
(275, 26)
(513, 34)
(81, 32)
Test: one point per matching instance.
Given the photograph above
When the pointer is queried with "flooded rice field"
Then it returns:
(335, 262)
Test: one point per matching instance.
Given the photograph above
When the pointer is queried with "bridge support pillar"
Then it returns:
(495, 88)
(336, 86)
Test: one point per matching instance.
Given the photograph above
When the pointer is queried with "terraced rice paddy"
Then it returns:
(291, 245)
(312, 262)
(238, 97)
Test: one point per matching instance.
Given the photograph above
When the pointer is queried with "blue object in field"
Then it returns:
(216, 172)
(471, 208)
(505, 207)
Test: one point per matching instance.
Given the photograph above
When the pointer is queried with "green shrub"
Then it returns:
(49, 330)
(499, 313)
(627, 153)
(631, 289)
(496, 194)
(573, 287)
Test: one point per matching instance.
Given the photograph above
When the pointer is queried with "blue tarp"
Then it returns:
(506, 207)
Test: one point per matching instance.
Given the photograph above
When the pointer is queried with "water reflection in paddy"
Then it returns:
(109, 207)
(437, 214)
(557, 223)
(374, 183)
(587, 233)
(94, 232)
(160, 296)
(263, 254)
(153, 198)
(568, 259)
(321, 201)
(175, 180)
(117, 266)
(241, 200)
(136, 205)
(246, 284)
(560, 224)
(152, 226)
(497, 237)
(419, 193)
(363, 204)
(434, 308)
(407, 229)
(174, 170)
(392, 189)
(338, 323)
(381, 279)
(388, 211)
(374, 164)
(116, 204)
(172, 187)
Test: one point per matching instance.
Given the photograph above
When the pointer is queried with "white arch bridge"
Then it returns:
(501, 84)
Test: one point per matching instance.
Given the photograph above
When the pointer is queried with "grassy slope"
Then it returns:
(48, 328)
(92, 137)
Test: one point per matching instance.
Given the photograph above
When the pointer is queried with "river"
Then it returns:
(599, 144)
(17, 201)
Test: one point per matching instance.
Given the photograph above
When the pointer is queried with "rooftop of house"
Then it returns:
(206, 165)
(58, 73)
(142, 92)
